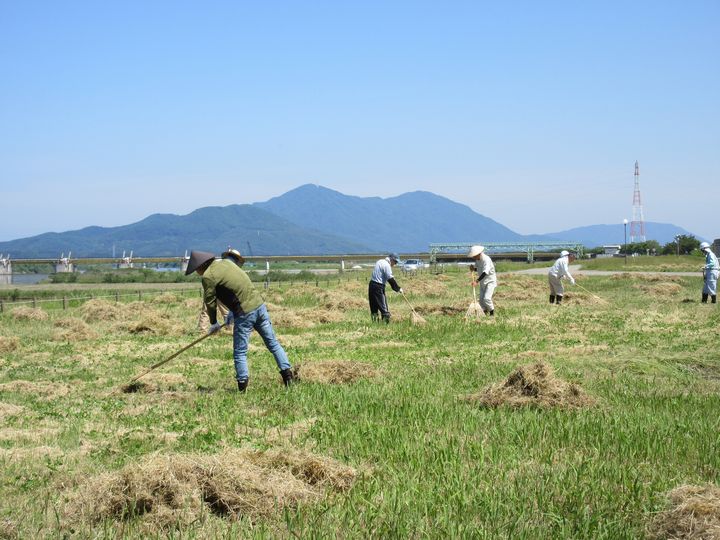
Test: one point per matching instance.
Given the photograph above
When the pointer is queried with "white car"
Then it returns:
(410, 265)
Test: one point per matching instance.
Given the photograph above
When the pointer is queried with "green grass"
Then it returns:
(435, 466)
(663, 263)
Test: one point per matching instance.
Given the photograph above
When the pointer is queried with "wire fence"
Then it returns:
(71, 301)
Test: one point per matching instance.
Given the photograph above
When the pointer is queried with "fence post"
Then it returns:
(117, 296)
(139, 295)
(2, 306)
(34, 303)
(64, 303)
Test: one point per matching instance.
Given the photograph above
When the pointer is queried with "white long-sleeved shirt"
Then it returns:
(382, 271)
(711, 261)
(485, 265)
(560, 268)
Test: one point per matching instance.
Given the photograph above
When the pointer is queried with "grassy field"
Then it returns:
(384, 437)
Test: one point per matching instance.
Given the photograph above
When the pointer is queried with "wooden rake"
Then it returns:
(414, 318)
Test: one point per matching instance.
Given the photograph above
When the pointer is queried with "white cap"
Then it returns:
(564, 253)
(704, 245)
(475, 251)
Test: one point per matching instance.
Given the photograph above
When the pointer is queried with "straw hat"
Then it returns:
(475, 251)
(233, 254)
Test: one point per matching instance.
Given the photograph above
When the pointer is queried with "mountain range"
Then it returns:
(310, 220)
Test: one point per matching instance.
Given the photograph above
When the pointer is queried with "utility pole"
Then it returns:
(637, 225)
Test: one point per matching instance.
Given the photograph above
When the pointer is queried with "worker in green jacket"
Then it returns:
(225, 281)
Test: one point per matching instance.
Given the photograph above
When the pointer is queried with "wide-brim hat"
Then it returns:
(475, 251)
(564, 253)
(197, 259)
(235, 254)
(704, 245)
(394, 257)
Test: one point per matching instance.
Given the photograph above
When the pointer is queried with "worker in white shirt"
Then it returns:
(486, 278)
(382, 273)
(557, 272)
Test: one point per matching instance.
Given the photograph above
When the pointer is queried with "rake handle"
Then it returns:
(591, 293)
(409, 304)
(185, 348)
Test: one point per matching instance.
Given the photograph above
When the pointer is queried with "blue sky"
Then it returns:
(531, 113)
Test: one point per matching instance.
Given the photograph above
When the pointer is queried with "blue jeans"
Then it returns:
(259, 320)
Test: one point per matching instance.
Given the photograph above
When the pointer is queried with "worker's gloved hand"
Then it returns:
(229, 318)
(400, 291)
(572, 281)
(214, 328)
(473, 268)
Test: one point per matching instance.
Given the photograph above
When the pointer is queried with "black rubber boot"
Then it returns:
(374, 317)
(704, 298)
(558, 299)
(714, 298)
(386, 318)
(491, 313)
(287, 376)
(242, 385)
(552, 298)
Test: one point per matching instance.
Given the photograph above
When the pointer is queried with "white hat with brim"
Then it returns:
(233, 253)
(564, 253)
(704, 245)
(475, 251)
(197, 259)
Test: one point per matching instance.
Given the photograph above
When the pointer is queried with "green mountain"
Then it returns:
(213, 228)
(406, 223)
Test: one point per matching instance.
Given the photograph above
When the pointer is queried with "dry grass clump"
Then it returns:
(660, 288)
(29, 314)
(169, 490)
(518, 287)
(152, 322)
(41, 390)
(8, 344)
(426, 286)
(650, 278)
(694, 512)
(155, 382)
(8, 410)
(334, 371)
(302, 318)
(72, 329)
(535, 385)
(457, 308)
(341, 299)
(166, 298)
(99, 309)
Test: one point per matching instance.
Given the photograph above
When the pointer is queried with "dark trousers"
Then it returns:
(378, 302)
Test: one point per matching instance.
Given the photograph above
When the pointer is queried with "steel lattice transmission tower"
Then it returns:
(637, 225)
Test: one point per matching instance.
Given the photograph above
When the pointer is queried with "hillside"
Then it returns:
(406, 223)
(598, 235)
(209, 228)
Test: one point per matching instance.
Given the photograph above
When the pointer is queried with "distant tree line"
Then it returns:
(685, 244)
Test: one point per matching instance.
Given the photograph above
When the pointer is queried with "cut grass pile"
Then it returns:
(8, 344)
(334, 371)
(693, 513)
(172, 490)
(29, 314)
(533, 385)
(73, 329)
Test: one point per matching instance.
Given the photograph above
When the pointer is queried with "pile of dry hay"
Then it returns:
(135, 317)
(334, 371)
(169, 490)
(155, 382)
(302, 318)
(72, 329)
(694, 512)
(8, 344)
(534, 385)
(29, 314)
